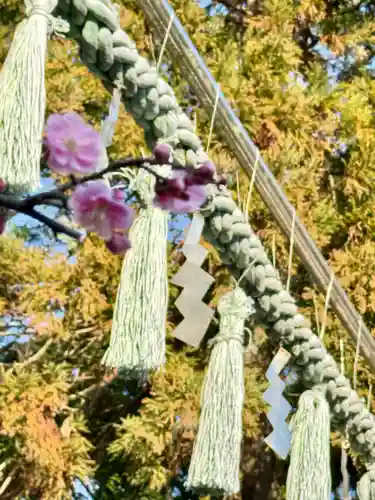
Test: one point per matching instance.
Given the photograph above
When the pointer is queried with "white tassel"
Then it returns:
(309, 474)
(137, 343)
(22, 97)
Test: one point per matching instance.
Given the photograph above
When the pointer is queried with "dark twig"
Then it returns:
(39, 198)
(57, 197)
(24, 207)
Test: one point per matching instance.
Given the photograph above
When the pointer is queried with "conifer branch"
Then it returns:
(6, 483)
(35, 357)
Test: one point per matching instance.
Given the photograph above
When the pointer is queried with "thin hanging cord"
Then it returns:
(326, 305)
(344, 445)
(213, 119)
(356, 358)
(165, 42)
(369, 397)
(291, 251)
(342, 357)
(316, 308)
(274, 250)
(238, 188)
(252, 180)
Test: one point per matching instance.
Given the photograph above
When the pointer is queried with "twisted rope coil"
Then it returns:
(111, 54)
(242, 250)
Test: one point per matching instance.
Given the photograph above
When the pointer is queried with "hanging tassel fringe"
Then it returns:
(309, 474)
(22, 102)
(139, 323)
(366, 486)
(215, 462)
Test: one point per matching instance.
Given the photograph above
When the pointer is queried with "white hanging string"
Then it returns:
(238, 188)
(369, 397)
(274, 250)
(342, 357)
(316, 308)
(213, 118)
(252, 180)
(345, 444)
(167, 33)
(291, 251)
(326, 305)
(356, 358)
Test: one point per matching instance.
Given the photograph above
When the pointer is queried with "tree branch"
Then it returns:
(57, 197)
(114, 166)
(6, 483)
(38, 354)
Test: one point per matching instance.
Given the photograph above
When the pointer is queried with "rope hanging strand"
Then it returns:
(22, 91)
(309, 474)
(215, 462)
(137, 343)
(366, 486)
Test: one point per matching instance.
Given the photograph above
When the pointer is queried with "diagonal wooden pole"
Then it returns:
(159, 13)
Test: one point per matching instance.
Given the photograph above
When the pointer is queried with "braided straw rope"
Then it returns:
(111, 54)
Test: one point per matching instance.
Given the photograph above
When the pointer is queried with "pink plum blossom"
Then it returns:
(184, 191)
(179, 194)
(100, 209)
(73, 146)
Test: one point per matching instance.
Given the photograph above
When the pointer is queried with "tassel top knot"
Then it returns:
(234, 308)
(45, 8)
(236, 303)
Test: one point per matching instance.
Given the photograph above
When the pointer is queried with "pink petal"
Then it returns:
(88, 144)
(163, 154)
(103, 225)
(196, 196)
(204, 174)
(169, 203)
(85, 196)
(55, 122)
(95, 208)
(118, 195)
(120, 215)
(72, 119)
(86, 160)
(118, 244)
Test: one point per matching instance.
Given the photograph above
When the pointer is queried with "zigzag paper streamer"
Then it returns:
(195, 283)
(280, 438)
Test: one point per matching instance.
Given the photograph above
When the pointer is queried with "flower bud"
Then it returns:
(204, 174)
(118, 244)
(163, 154)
